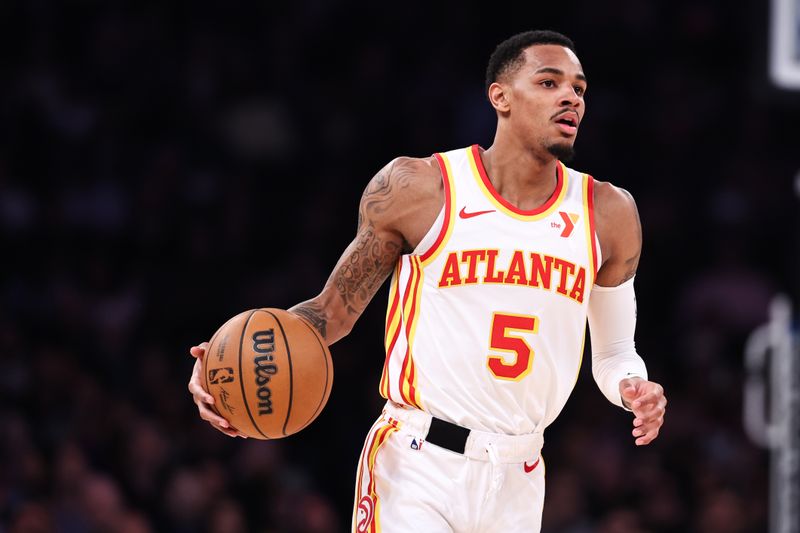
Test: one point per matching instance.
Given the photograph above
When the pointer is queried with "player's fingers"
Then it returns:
(220, 424)
(648, 430)
(231, 432)
(651, 411)
(647, 427)
(199, 351)
(196, 385)
(211, 417)
(647, 437)
(198, 393)
(650, 396)
(204, 400)
(648, 418)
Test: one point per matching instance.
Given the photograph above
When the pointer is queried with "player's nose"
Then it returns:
(569, 98)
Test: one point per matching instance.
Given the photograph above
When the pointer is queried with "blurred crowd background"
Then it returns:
(164, 166)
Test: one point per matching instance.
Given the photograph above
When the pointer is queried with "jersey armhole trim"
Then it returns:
(449, 211)
(591, 235)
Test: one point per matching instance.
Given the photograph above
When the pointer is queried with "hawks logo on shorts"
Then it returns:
(366, 510)
(367, 505)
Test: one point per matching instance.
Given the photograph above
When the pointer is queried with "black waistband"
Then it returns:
(447, 435)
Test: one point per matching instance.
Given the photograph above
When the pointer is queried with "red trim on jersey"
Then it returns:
(385, 382)
(446, 178)
(384, 386)
(508, 205)
(395, 301)
(590, 202)
(407, 371)
(411, 284)
(412, 390)
(413, 314)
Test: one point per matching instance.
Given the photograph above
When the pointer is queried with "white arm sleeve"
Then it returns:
(612, 322)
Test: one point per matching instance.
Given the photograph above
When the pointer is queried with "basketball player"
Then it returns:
(497, 257)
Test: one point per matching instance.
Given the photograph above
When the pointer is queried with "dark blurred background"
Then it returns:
(164, 166)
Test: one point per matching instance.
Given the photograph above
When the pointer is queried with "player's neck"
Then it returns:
(521, 177)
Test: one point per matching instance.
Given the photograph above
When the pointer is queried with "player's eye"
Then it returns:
(547, 83)
(579, 90)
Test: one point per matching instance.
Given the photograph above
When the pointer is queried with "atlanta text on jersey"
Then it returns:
(532, 269)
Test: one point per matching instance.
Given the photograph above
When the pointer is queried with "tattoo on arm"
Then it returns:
(366, 263)
(369, 261)
(370, 258)
(377, 197)
(631, 265)
(314, 313)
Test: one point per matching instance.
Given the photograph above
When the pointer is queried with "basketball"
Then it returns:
(269, 371)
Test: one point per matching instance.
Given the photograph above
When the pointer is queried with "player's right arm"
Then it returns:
(397, 207)
(367, 261)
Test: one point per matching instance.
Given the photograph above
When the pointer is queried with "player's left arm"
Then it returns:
(619, 371)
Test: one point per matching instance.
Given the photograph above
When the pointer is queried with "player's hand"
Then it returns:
(203, 399)
(647, 401)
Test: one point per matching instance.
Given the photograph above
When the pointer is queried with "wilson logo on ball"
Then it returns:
(265, 368)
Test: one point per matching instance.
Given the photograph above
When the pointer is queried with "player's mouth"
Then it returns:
(568, 122)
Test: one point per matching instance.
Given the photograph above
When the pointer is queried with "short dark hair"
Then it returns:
(508, 57)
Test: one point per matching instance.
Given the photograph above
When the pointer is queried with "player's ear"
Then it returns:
(498, 96)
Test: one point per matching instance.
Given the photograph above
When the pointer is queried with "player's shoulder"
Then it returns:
(408, 178)
(618, 227)
(611, 200)
(404, 196)
(406, 181)
(421, 171)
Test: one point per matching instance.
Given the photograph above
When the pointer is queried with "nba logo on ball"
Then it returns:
(220, 375)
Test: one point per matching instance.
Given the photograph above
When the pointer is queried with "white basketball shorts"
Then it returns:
(406, 483)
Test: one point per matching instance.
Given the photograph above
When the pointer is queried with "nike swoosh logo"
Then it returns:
(529, 469)
(463, 213)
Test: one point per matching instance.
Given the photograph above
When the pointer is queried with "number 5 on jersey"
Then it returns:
(502, 340)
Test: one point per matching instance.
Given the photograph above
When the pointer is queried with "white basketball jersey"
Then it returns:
(487, 317)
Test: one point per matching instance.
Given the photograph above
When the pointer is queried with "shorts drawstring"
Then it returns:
(498, 476)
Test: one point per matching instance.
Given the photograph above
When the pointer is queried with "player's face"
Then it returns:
(547, 98)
